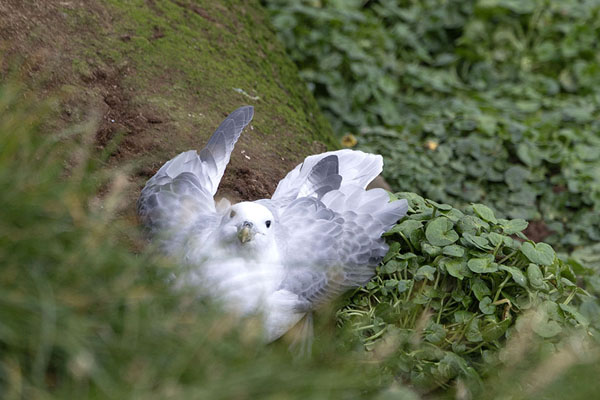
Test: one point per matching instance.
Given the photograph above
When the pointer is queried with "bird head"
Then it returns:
(248, 225)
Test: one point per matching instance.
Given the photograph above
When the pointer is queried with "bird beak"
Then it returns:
(245, 233)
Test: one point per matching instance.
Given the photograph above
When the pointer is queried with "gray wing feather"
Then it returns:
(179, 197)
(334, 243)
(354, 168)
(322, 178)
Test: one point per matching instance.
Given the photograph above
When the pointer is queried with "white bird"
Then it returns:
(318, 235)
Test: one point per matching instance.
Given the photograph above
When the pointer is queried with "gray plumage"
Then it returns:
(319, 234)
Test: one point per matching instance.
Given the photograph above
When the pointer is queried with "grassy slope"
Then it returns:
(161, 75)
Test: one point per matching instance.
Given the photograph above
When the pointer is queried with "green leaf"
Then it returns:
(454, 251)
(457, 268)
(486, 306)
(404, 285)
(540, 253)
(485, 213)
(547, 328)
(471, 225)
(473, 334)
(406, 227)
(443, 207)
(482, 265)
(431, 251)
(536, 278)
(480, 289)
(439, 232)
(494, 238)
(463, 317)
(516, 274)
(392, 252)
(513, 226)
(426, 271)
(580, 318)
(435, 333)
(495, 330)
(478, 242)
(393, 266)
(516, 177)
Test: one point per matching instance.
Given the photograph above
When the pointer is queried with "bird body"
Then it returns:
(319, 234)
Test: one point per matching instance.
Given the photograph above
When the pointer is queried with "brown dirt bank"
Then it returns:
(157, 77)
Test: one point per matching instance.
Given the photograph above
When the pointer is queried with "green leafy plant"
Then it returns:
(468, 101)
(455, 286)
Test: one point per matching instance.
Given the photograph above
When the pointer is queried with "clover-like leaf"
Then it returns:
(471, 224)
(406, 227)
(482, 265)
(516, 274)
(547, 328)
(457, 268)
(579, 317)
(439, 232)
(536, 277)
(392, 252)
(485, 213)
(393, 266)
(426, 271)
(430, 250)
(478, 242)
(494, 330)
(540, 253)
(473, 333)
(435, 333)
(443, 207)
(486, 306)
(404, 285)
(480, 288)
(463, 316)
(514, 225)
(454, 251)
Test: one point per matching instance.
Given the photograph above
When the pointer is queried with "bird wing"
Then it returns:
(307, 179)
(178, 200)
(331, 244)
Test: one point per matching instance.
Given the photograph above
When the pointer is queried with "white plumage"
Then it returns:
(319, 234)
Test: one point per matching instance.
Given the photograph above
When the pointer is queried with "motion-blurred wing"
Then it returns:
(353, 168)
(333, 244)
(179, 197)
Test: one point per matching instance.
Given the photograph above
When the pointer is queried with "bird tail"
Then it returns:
(302, 337)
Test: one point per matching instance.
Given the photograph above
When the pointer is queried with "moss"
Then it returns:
(196, 53)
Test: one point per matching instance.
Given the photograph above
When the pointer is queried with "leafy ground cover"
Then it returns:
(458, 290)
(469, 101)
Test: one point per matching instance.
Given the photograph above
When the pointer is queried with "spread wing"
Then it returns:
(178, 199)
(331, 240)
(317, 174)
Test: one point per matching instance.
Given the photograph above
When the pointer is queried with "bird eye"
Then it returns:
(268, 223)
(232, 214)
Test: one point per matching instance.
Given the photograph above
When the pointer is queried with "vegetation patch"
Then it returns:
(468, 101)
(456, 287)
